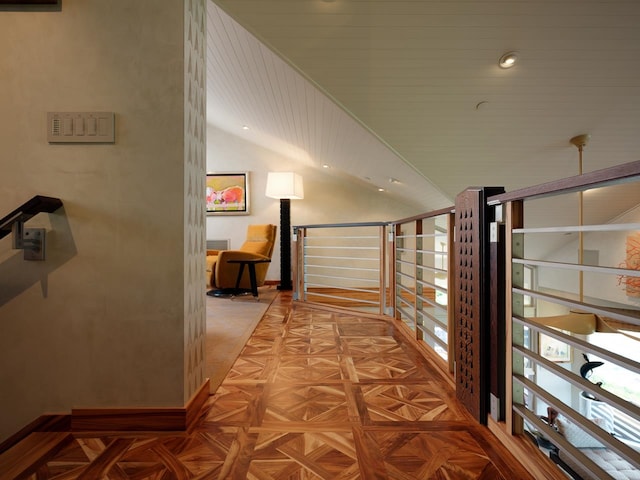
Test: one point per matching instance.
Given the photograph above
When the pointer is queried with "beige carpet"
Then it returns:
(230, 323)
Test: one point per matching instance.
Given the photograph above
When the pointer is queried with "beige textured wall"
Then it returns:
(101, 323)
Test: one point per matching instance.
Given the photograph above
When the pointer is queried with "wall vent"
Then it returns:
(221, 244)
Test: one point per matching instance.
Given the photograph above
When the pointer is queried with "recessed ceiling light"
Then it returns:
(394, 180)
(380, 189)
(508, 60)
(245, 127)
(325, 165)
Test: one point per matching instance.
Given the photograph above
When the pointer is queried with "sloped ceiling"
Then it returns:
(411, 90)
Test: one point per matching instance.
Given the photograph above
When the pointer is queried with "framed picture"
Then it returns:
(554, 350)
(227, 193)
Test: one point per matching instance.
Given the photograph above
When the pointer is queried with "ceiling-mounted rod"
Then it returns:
(580, 141)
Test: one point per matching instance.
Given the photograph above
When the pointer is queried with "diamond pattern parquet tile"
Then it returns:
(316, 332)
(233, 404)
(307, 403)
(248, 368)
(314, 455)
(400, 403)
(384, 367)
(310, 345)
(444, 454)
(268, 330)
(372, 345)
(314, 394)
(368, 329)
(260, 346)
(311, 368)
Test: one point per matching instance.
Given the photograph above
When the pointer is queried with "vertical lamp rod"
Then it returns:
(580, 142)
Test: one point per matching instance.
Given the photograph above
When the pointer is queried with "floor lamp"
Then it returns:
(285, 186)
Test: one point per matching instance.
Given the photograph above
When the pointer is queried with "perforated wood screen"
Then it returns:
(472, 300)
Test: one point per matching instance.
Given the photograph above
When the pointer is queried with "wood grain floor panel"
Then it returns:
(316, 393)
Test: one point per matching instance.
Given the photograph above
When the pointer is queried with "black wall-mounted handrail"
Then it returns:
(27, 210)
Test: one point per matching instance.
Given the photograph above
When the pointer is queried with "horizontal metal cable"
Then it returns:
(617, 227)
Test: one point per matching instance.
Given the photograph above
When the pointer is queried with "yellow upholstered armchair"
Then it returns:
(222, 275)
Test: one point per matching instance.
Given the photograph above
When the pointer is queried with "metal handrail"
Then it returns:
(27, 210)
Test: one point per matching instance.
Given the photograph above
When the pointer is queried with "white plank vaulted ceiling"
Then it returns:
(411, 89)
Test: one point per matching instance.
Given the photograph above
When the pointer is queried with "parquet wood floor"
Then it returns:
(315, 394)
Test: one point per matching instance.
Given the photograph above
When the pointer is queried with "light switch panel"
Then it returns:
(81, 127)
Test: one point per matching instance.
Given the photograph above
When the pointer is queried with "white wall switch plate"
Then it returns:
(81, 127)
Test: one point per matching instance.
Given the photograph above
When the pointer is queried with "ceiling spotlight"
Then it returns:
(325, 165)
(245, 127)
(508, 60)
(380, 189)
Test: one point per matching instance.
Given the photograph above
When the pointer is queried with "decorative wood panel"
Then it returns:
(471, 302)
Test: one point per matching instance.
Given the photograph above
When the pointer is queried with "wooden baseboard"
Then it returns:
(355, 298)
(140, 419)
(441, 365)
(44, 423)
(25, 458)
(529, 455)
(122, 419)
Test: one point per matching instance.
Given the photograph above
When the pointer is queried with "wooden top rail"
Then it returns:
(343, 225)
(422, 216)
(599, 178)
(27, 210)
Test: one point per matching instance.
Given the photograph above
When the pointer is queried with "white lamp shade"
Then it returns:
(284, 185)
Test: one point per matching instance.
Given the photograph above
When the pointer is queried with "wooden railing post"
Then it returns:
(471, 304)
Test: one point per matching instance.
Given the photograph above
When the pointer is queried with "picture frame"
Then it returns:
(553, 349)
(227, 193)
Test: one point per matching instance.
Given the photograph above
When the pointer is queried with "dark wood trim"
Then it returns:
(422, 216)
(599, 178)
(194, 406)
(140, 419)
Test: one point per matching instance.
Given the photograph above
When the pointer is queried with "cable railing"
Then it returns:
(422, 256)
(573, 376)
(342, 265)
(561, 314)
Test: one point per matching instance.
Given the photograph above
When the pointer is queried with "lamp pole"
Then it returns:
(285, 186)
(285, 245)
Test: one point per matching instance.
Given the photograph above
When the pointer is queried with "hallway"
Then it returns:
(315, 394)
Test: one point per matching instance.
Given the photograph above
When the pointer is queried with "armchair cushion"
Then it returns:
(259, 244)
